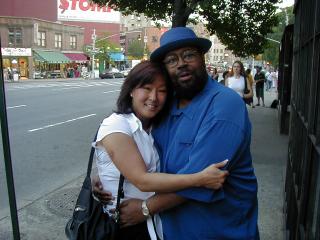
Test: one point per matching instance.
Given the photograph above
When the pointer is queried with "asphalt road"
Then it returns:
(51, 126)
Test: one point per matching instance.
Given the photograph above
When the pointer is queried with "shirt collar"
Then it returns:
(190, 110)
(135, 123)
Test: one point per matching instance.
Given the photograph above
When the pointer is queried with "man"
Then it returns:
(208, 122)
(259, 79)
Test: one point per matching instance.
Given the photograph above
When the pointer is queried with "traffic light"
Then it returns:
(139, 37)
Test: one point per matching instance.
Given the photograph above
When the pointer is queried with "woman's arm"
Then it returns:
(126, 156)
(249, 87)
(226, 82)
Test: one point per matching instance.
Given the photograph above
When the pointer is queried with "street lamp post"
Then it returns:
(93, 51)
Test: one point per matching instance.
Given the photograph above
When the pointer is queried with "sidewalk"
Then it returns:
(46, 217)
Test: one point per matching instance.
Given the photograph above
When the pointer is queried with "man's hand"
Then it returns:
(214, 177)
(131, 213)
(97, 189)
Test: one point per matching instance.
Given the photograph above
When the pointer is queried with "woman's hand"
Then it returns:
(98, 192)
(213, 176)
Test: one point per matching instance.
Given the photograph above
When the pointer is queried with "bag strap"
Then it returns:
(116, 215)
(245, 83)
(91, 156)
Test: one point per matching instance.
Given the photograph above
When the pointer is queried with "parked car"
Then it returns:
(126, 71)
(108, 74)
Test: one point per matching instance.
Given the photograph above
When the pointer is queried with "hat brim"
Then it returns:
(201, 43)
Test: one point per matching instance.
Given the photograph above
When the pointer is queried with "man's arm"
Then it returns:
(131, 212)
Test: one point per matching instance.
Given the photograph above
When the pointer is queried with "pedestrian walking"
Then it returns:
(251, 82)
(259, 79)
(238, 82)
(215, 75)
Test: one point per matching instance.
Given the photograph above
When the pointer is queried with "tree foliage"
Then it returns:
(136, 49)
(271, 53)
(103, 46)
(240, 24)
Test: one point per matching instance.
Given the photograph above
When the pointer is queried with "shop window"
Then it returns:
(58, 40)
(73, 42)
(15, 37)
(41, 39)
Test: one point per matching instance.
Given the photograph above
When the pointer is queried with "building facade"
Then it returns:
(30, 45)
(79, 13)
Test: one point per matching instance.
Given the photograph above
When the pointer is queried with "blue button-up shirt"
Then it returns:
(213, 127)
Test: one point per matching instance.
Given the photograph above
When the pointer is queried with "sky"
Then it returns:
(286, 3)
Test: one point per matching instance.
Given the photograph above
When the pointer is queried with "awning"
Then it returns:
(116, 56)
(77, 57)
(50, 56)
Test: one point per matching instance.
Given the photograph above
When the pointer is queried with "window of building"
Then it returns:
(41, 39)
(221, 50)
(58, 40)
(15, 37)
(154, 39)
(73, 42)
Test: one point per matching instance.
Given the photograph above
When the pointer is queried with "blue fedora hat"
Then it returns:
(176, 38)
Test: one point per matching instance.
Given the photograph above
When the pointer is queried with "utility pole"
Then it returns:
(145, 40)
(94, 51)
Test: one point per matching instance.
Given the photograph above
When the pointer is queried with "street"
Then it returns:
(51, 126)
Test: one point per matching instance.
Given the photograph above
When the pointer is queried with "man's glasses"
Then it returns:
(187, 56)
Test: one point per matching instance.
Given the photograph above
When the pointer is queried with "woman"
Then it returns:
(236, 81)
(250, 80)
(124, 142)
(215, 75)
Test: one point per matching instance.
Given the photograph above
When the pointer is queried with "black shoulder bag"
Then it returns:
(88, 221)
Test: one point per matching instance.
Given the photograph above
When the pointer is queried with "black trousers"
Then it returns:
(135, 232)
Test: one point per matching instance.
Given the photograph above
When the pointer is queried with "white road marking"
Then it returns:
(112, 91)
(60, 123)
(18, 106)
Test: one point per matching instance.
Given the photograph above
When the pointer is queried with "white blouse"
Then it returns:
(237, 84)
(109, 174)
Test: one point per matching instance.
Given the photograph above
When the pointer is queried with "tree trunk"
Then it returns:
(179, 18)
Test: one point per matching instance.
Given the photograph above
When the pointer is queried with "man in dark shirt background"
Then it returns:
(259, 80)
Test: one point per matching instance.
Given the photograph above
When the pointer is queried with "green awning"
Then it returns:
(50, 56)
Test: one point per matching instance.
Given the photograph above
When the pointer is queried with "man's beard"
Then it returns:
(191, 88)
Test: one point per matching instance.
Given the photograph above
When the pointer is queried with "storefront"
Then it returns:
(16, 63)
(117, 59)
(78, 66)
(49, 64)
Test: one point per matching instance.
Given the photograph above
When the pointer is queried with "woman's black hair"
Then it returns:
(142, 74)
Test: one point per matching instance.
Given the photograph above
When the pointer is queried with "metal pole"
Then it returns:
(93, 51)
(7, 156)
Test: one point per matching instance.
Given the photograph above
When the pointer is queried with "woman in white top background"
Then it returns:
(237, 78)
(124, 144)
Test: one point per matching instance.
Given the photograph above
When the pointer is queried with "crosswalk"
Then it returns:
(61, 85)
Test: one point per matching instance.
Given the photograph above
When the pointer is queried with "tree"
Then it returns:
(240, 24)
(103, 46)
(271, 53)
(136, 49)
